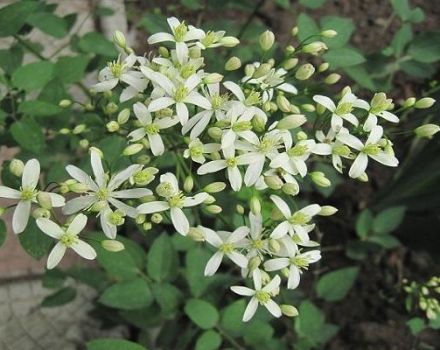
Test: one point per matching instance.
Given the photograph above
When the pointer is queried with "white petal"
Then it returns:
(359, 165)
(128, 210)
(351, 141)
(336, 122)
(192, 82)
(118, 179)
(141, 112)
(228, 138)
(50, 228)
(133, 81)
(211, 237)
(21, 216)
(322, 149)
(109, 229)
(253, 172)
(294, 277)
(56, 199)
(386, 159)
(97, 168)
(276, 264)
(375, 134)
(325, 101)
(235, 178)
(81, 176)
(31, 174)
(77, 224)
(160, 37)
(77, 204)
(6, 192)
(182, 112)
(311, 210)
(239, 259)
(251, 308)
(282, 206)
(201, 125)
(181, 52)
(211, 167)
(273, 308)
(238, 234)
(389, 116)
(84, 249)
(350, 118)
(281, 230)
(105, 85)
(243, 291)
(213, 264)
(179, 220)
(132, 193)
(235, 89)
(56, 255)
(195, 200)
(156, 144)
(196, 99)
(160, 103)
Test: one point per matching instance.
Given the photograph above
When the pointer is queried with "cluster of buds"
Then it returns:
(425, 296)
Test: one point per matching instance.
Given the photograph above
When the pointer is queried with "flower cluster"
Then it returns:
(251, 130)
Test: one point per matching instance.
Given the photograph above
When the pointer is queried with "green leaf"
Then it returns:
(195, 262)
(113, 344)
(209, 340)
(283, 3)
(388, 220)
(343, 57)
(334, 285)
(418, 69)
(361, 76)
(70, 69)
(202, 313)
(401, 39)
(35, 242)
(33, 76)
(385, 241)
(60, 297)
(11, 59)
(154, 23)
(162, 259)
(49, 24)
(344, 27)
(426, 47)
(401, 8)
(232, 316)
(28, 135)
(306, 27)
(98, 44)
(127, 295)
(39, 108)
(192, 4)
(363, 223)
(13, 16)
(417, 15)
(416, 325)
(312, 4)
(257, 332)
(167, 296)
(3, 232)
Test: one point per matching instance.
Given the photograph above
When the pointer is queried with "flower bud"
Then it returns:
(315, 48)
(195, 52)
(323, 67)
(254, 263)
(132, 149)
(215, 133)
(409, 102)
(233, 64)
(329, 33)
(425, 102)
(89, 107)
(301, 136)
(294, 31)
(327, 210)
(308, 107)
(276, 214)
(119, 39)
(274, 245)
(215, 187)
(188, 184)
(258, 123)
(274, 182)
(41, 213)
(123, 116)
(320, 109)
(291, 121)
(108, 93)
(283, 103)
(318, 177)
(64, 131)
(290, 49)
(363, 178)
(255, 205)
(65, 103)
(112, 126)
(78, 187)
(427, 131)
(289, 310)
(291, 189)
(16, 167)
(229, 41)
(332, 78)
(44, 200)
(146, 226)
(111, 108)
(79, 129)
(214, 209)
(156, 218)
(239, 209)
(112, 245)
(209, 200)
(196, 234)
(163, 51)
(262, 70)
(267, 40)
(290, 63)
(213, 78)
(305, 71)
(140, 219)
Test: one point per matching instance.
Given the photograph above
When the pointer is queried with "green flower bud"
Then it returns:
(215, 187)
(16, 167)
(156, 218)
(305, 71)
(294, 109)
(233, 63)
(146, 226)
(409, 102)
(308, 107)
(262, 70)
(274, 245)
(214, 209)
(329, 33)
(249, 70)
(79, 129)
(123, 116)
(78, 187)
(143, 159)
(65, 103)
(290, 63)
(255, 205)
(291, 189)
(213, 78)
(119, 39)
(116, 218)
(276, 215)
(108, 93)
(215, 133)
(301, 136)
(315, 48)
(320, 109)
(332, 78)
(294, 31)
(209, 200)
(239, 209)
(133, 149)
(196, 234)
(258, 123)
(112, 245)
(427, 130)
(318, 177)
(140, 219)
(111, 108)
(89, 107)
(163, 51)
(267, 40)
(323, 67)
(64, 131)
(2, 210)
(289, 310)
(41, 213)
(327, 210)
(425, 102)
(363, 178)
(84, 143)
(112, 126)
(283, 103)
(195, 52)
(229, 41)
(254, 263)
(44, 200)
(291, 121)
(273, 182)
(188, 184)
(289, 49)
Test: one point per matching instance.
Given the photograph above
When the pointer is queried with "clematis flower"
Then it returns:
(150, 128)
(226, 243)
(372, 148)
(174, 201)
(27, 195)
(67, 238)
(196, 150)
(378, 108)
(296, 265)
(102, 193)
(338, 149)
(256, 243)
(260, 295)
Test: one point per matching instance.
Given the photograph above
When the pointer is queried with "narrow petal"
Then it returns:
(77, 224)
(56, 255)
(21, 216)
(109, 229)
(235, 178)
(386, 159)
(153, 207)
(238, 234)
(56, 199)
(160, 103)
(105, 85)
(251, 308)
(196, 99)
(132, 193)
(212, 237)
(128, 210)
(181, 52)
(118, 179)
(359, 165)
(6, 192)
(211, 167)
(77, 204)
(141, 112)
(243, 291)
(31, 174)
(239, 259)
(50, 228)
(159, 38)
(351, 141)
(97, 168)
(273, 308)
(182, 112)
(195, 200)
(235, 89)
(282, 206)
(179, 220)
(213, 264)
(156, 144)
(84, 249)
(276, 264)
(281, 230)
(325, 101)
(294, 277)
(81, 176)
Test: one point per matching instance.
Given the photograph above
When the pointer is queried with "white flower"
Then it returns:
(295, 263)
(150, 128)
(256, 244)
(196, 150)
(260, 295)
(174, 202)
(67, 238)
(27, 195)
(118, 71)
(231, 163)
(343, 109)
(226, 243)
(181, 33)
(178, 95)
(296, 223)
(103, 193)
(373, 148)
(338, 149)
(379, 106)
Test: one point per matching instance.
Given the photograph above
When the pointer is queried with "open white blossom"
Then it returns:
(196, 150)
(27, 195)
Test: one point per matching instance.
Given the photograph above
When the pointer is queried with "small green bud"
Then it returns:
(427, 130)
(291, 189)
(65, 103)
(363, 178)
(112, 126)
(315, 48)
(294, 31)
(319, 178)
(163, 51)
(112, 245)
(156, 218)
(123, 116)
(111, 108)
(249, 70)
(409, 102)
(327, 210)
(320, 109)
(16, 167)
(78, 187)
(301, 136)
(289, 49)
(323, 67)
(215, 133)
(209, 200)
(84, 143)
(267, 40)
(283, 103)
(140, 219)
(79, 129)
(188, 184)
(213, 78)
(274, 182)
(332, 78)
(258, 123)
(41, 213)
(119, 39)
(214, 209)
(229, 41)
(289, 310)
(196, 234)
(146, 226)
(305, 71)
(89, 107)
(290, 63)
(329, 33)
(255, 205)
(44, 200)
(215, 187)
(274, 245)
(254, 263)
(233, 63)
(64, 131)
(133, 149)
(425, 102)
(262, 70)
(308, 107)
(239, 209)
(195, 52)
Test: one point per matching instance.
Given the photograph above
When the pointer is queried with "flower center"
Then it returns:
(299, 218)
(102, 194)
(242, 126)
(116, 218)
(165, 189)
(231, 162)
(196, 151)
(344, 108)
(341, 151)
(180, 32)
(187, 71)
(180, 93)
(253, 98)
(117, 68)
(258, 244)
(217, 101)
(151, 129)
(28, 193)
(143, 177)
(373, 149)
(69, 239)
(300, 261)
(262, 296)
(177, 201)
(226, 248)
(297, 151)
(266, 145)
(210, 38)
